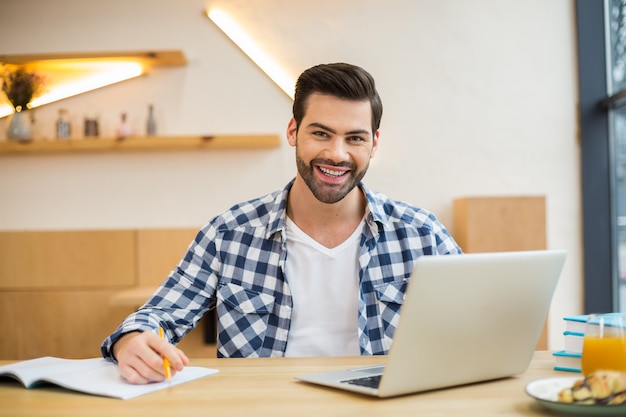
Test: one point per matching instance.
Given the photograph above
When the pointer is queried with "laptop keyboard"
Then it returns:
(367, 381)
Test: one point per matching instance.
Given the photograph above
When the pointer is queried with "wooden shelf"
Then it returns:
(93, 145)
(151, 58)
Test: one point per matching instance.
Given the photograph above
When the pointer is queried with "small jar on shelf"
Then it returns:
(63, 125)
(91, 125)
(124, 129)
(151, 127)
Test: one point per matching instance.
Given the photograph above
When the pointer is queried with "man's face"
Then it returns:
(334, 145)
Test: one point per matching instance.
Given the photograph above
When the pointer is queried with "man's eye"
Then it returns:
(356, 139)
(320, 134)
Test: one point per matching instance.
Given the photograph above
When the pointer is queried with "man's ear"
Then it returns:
(375, 144)
(292, 129)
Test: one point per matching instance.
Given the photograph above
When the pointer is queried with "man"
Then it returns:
(318, 268)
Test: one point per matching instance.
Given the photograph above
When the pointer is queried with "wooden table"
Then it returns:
(266, 387)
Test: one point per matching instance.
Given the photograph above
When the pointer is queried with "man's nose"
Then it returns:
(337, 149)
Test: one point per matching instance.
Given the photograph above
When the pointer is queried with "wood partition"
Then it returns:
(158, 251)
(67, 260)
(499, 224)
(56, 287)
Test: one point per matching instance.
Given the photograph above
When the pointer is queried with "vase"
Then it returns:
(19, 127)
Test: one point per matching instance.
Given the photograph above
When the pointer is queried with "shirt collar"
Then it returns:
(375, 215)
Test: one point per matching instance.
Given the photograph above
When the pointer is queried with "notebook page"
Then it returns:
(93, 376)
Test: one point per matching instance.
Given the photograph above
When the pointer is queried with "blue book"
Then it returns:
(566, 361)
(573, 341)
(575, 323)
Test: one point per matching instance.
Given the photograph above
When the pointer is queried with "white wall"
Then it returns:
(480, 99)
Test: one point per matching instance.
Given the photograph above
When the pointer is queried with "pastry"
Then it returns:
(600, 387)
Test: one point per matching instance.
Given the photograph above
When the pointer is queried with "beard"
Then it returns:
(325, 192)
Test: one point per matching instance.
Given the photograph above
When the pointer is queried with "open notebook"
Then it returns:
(466, 318)
(92, 376)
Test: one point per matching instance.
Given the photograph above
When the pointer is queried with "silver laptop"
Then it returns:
(466, 318)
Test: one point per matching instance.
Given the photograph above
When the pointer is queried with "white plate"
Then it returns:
(545, 391)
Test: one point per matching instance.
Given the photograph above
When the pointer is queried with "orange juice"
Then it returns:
(607, 352)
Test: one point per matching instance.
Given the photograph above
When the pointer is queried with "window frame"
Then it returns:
(599, 247)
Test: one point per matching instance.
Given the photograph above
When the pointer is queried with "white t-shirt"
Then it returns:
(325, 287)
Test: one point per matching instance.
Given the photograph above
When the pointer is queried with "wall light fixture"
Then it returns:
(67, 76)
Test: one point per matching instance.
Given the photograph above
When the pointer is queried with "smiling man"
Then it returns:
(318, 268)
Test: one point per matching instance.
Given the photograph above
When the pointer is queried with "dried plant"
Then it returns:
(20, 86)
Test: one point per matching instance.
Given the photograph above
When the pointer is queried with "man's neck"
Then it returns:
(328, 224)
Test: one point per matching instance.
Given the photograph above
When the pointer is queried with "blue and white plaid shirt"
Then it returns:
(237, 261)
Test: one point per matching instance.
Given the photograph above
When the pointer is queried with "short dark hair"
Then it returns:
(340, 80)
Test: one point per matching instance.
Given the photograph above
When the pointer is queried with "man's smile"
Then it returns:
(333, 173)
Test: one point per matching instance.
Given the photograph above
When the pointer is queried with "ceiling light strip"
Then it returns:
(230, 28)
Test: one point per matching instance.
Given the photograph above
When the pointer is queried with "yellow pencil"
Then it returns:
(166, 362)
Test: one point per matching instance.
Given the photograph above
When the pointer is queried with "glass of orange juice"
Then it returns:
(604, 344)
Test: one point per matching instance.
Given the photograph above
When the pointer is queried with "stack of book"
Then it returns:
(570, 357)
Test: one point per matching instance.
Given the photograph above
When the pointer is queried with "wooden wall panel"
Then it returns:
(67, 259)
(159, 251)
(497, 224)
